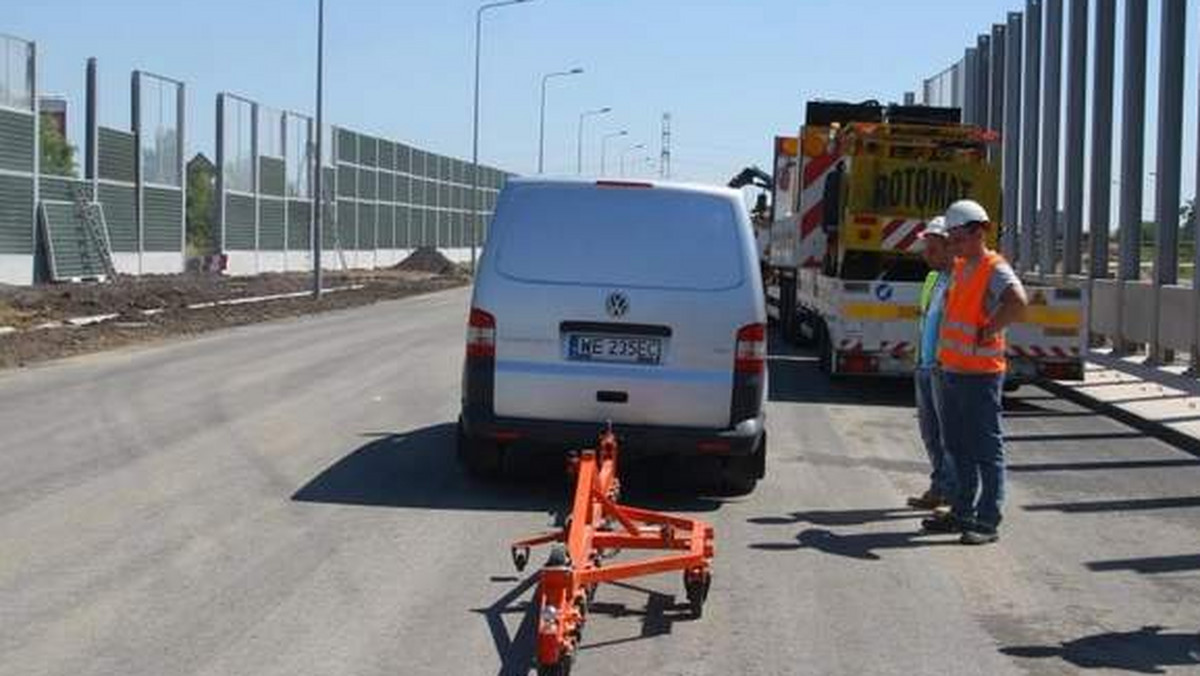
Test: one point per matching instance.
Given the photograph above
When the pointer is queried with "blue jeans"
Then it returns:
(971, 423)
(942, 481)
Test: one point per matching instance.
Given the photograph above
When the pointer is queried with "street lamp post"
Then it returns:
(604, 146)
(318, 184)
(542, 115)
(626, 152)
(475, 127)
(579, 143)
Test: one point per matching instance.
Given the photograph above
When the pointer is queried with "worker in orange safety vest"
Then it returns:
(984, 298)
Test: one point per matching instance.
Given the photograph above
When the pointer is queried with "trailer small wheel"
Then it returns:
(696, 586)
(560, 668)
(520, 557)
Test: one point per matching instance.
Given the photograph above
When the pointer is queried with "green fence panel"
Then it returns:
(347, 224)
(16, 141)
(60, 189)
(347, 146)
(72, 251)
(270, 225)
(387, 187)
(387, 155)
(162, 219)
(366, 184)
(239, 223)
(16, 214)
(368, 152)
(366, 227)
(120, 212)
(271, 173)
(299, 225)
(347, 181)
(385, 223)
(116, 155)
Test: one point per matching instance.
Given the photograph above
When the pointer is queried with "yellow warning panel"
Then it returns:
(880, 312)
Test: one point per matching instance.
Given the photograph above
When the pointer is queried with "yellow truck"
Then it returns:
(862, 182)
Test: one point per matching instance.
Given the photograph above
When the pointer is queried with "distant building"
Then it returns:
(54, 108)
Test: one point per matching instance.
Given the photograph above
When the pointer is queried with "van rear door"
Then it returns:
(618, 302)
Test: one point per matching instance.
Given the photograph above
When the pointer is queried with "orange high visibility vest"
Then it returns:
(959, 348)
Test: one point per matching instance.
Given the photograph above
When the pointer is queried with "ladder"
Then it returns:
(96, 230)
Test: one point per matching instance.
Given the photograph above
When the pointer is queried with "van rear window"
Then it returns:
(657, 238)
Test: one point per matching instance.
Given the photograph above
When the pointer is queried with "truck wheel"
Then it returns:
(481, 458)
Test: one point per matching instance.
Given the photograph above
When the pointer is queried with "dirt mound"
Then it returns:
(428, 259)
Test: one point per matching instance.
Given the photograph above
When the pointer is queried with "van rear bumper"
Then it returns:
(639, 440)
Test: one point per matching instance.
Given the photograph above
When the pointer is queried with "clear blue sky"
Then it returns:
(732, 73)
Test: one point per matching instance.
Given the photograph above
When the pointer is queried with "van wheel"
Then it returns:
(740, 473)
(481, 458)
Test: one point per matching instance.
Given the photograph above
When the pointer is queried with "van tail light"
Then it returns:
(751, 351)
(481, 334)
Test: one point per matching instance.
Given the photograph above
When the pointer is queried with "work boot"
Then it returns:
(928, 500)
(941, 523)
(979, 537)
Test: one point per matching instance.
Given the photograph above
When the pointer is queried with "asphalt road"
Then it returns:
(282, 499)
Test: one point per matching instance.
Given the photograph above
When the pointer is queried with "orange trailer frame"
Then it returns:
(597, 528)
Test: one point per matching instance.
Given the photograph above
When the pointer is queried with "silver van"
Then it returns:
(632, 302)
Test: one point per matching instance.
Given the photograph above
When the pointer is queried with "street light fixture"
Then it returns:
(604, 146)
(542, 119)
(579, 143)
(625, 152)
(475, 126)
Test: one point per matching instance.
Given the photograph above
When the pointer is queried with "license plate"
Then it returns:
(619, 349)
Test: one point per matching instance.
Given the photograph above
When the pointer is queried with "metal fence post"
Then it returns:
(1012, 134)
(1133, 123)
(1102, 137)
(1170, 150)
(1051, 127)
(1029, 147)
(1077, 46)
(996, 92)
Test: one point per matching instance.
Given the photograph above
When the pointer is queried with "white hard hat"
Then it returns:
(936, 227)
(965, 212)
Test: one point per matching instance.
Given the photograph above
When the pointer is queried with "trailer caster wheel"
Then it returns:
(520, 557)
(559, 668)
(696, 585)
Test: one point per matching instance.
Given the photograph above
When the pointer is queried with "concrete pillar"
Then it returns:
(1077, 47)
(1133, 129)
(1102, 136)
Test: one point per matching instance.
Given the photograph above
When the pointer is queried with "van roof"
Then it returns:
(699, 188)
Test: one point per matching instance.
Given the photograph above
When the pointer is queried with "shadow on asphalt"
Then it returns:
(838, 517)
(1149, 650)
(418, 469)
(1098, 506)
(516, 650)
(861, 546)
(1150, 565)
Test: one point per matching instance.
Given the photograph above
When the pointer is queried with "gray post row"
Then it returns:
(1012, 133)
(1006, 85)
(1029, 145)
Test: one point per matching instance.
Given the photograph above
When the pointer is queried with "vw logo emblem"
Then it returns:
(617, 304)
